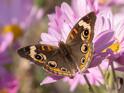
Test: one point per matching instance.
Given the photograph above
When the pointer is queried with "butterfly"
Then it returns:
(70, 57)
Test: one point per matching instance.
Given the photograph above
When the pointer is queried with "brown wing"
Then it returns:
(80, 40)
(83, 30)
(62, 65)
(49, 57)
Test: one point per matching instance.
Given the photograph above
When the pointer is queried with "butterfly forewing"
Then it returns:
(83, 30)
(37, 53)
(80, 40)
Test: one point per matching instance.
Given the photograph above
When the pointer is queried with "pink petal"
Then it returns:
(80, 7)
(74, 84)
(39, 14)
(118, 2)
(103, 21)
(119, 34)
(49, 43)
(65, 31)
(50, 79)
(103, 40)
(96, 61)
(55, 34)
(67, 11)
(120, 60)
(120, 69)
(7, 40)
(48, 38)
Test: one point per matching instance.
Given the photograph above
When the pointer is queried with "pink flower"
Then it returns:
(99, 5)
(118, 46)
(94, 76)
(60, 25)
(12, 12)
(16, 16)
(8, 83)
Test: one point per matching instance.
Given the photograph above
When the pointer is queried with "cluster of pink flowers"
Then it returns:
(108, 40)
(15, 18)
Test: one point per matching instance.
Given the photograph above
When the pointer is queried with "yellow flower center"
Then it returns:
(4, 90)
(114, 47)
(15, 29)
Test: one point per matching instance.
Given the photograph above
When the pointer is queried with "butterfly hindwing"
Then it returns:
(62, 67)
(49, 57)
(80, 40)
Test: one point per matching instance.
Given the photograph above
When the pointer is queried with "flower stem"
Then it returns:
(89, 85)
(114, 77)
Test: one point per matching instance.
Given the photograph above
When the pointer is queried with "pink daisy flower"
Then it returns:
(60, 25)
(16, 16)
(117, 53)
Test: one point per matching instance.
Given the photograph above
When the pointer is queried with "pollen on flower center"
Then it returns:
(15, 29)
(114, 47)
(3, 90)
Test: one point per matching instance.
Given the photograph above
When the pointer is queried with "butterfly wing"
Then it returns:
(80, 40)
(49, 57)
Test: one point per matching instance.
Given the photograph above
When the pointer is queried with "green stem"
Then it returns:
(114, 77)
(89, 85)
(103, 75)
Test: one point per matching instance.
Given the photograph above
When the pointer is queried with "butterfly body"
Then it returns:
(68, 57)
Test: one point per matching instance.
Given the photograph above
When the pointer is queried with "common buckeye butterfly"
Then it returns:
(70, 57)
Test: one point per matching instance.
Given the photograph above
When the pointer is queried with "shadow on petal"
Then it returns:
(120, 69)
(120, 60)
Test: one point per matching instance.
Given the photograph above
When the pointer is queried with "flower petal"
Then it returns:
(103, 40)
(50, 79)
(80, 8)
(120, 60)
(103, 21)
(119, 34)
(48, 38)
(68, 13)
(65, 31)
(6, 41)
(96, 61)
(120, 69)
